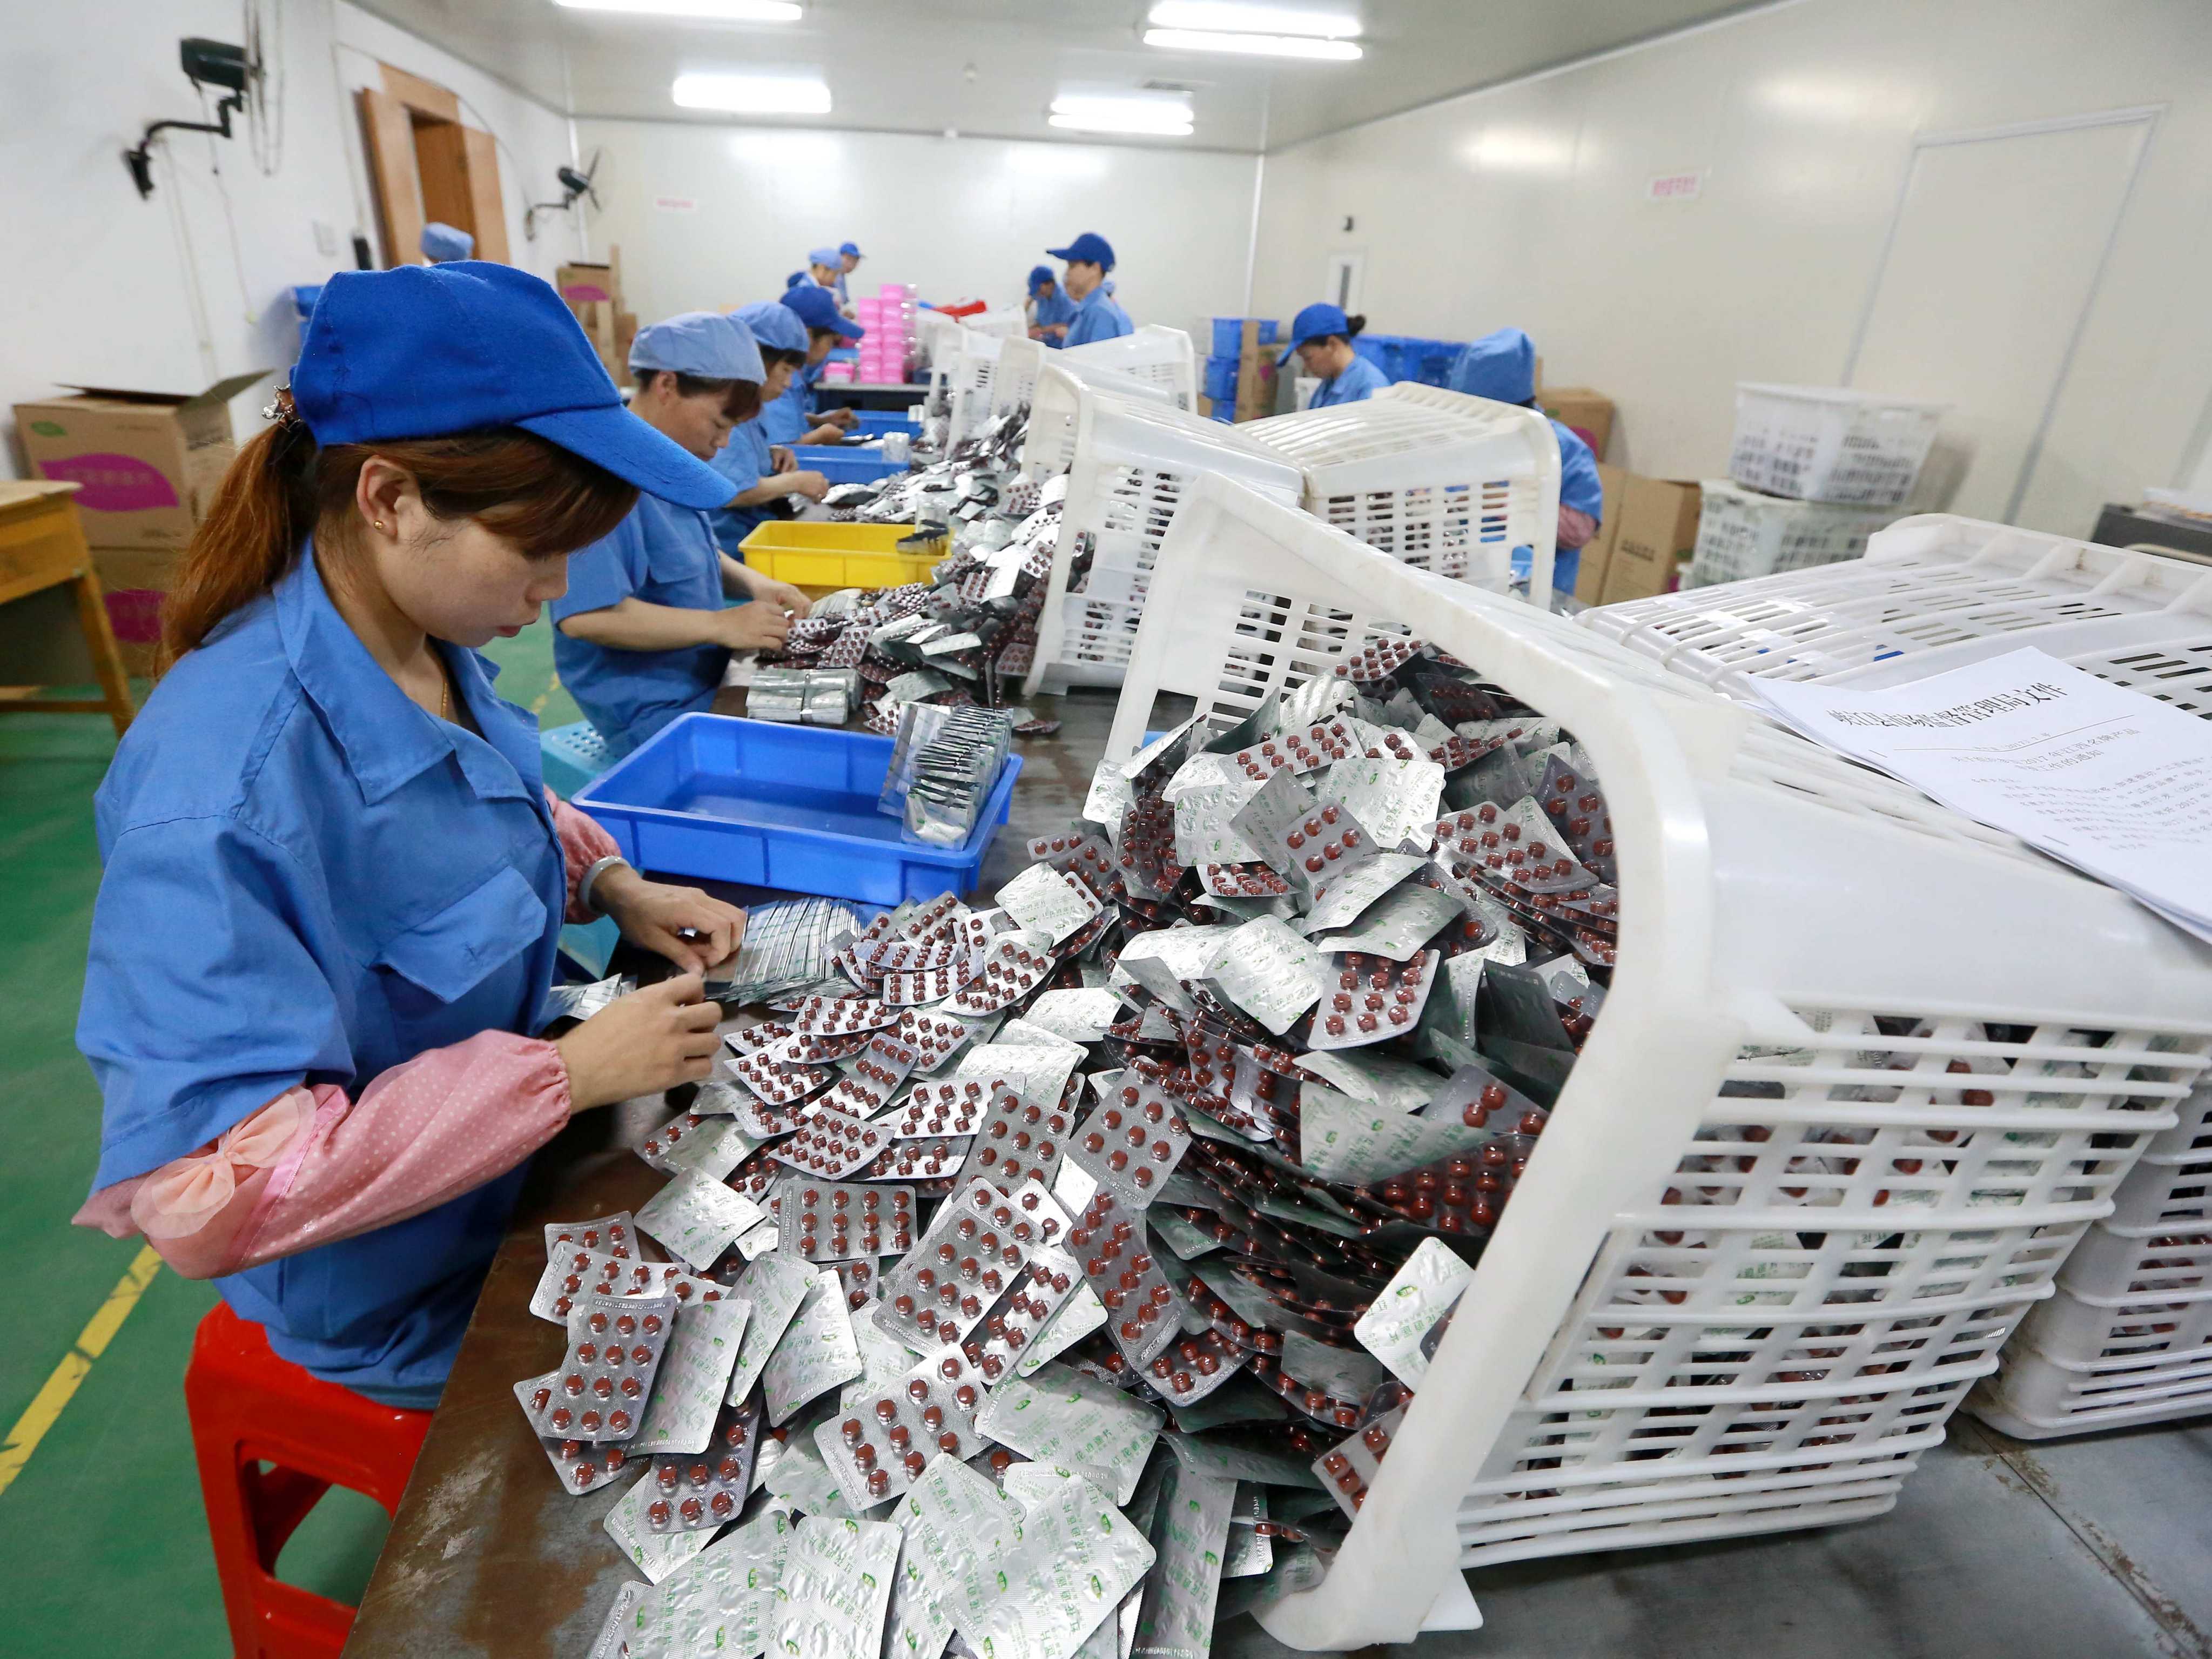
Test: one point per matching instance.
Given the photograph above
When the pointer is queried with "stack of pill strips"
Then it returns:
(1050, 1278)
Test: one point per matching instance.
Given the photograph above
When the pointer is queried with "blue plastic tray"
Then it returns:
(1229, 334)
(792, 807)
(875, 422)
(1221, 377)
(842, 465)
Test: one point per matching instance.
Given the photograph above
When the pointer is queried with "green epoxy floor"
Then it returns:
(108, 1549)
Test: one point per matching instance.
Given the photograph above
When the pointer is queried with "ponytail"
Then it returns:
(1352, 325)
(283, 488)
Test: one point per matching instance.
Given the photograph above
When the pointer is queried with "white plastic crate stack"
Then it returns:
(1436, 479)
(1843, 1114)
(1130, 465)
(1157, 355)
(1815, 472)
(960, 381)
(1014, 378)
(2127, 1339)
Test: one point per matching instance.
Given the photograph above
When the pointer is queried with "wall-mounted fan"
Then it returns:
(573, 185)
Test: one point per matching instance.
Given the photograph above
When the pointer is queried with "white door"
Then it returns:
(1991, 266)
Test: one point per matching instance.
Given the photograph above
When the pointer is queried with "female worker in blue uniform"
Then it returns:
(334, 880)
(645, 630)
(1321, 336)
(1502, 367)
(764, 473)
(1050, 310)
(1097, 316)
(793, 417)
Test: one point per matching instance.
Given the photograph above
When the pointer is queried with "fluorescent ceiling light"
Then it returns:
(1164, 117)
(1230, 17)
(752, 95)
(719, 11)
(1256, 45)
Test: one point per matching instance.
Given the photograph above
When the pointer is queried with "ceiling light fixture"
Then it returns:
(1228, 17)
(1157, 117)
(710, 11)
(752, 95)
(1254, 45)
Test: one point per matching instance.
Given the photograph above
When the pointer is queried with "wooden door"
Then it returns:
(488, 211)
(389, 135)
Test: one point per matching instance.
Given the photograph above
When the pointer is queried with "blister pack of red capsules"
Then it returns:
(1307, 750)
(611, 1235)
(930, 1163)
(907, 956)
(1081, 854)
(1378, 661)
(604, 1377)
(670, 1279)
(1372, 998)
(1348, 1468)
(926, 985)
(943, 1109)
(831, 1145)
(571, 1273)
(834, 1221)
(1017, 1141)
(705, 1489)
(777, 1082)
(758, 1038)
(880, 1447)
(1144, 1314)
(1015, 965)
(872, 1077)
(1192, 1367)
(1133, 1140)
(821, 1016)
(1576, 808)
(934, 1037)
(860, 1282)
(1041, 1291)
(1145, 856)
(810, 1049)
(980, 1239)
(581, 1466)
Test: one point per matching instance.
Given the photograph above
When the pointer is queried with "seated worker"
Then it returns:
(825, 265)
(1096, 317)
(443, 243)
(1050, 311)
(764, 473)
(848, 261)
(643, 633)
(1321, 336)
(793, 418)
(1502, 367)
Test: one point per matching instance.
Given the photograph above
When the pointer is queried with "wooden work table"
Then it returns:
(489, 1554)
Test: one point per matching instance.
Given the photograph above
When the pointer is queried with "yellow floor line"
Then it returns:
(38, 1416)
(546, 695)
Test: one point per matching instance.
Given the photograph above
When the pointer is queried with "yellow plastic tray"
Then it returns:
(821, 558)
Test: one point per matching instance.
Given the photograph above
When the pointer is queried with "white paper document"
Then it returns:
(2115, 783)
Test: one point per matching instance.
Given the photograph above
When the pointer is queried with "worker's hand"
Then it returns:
(1058, 331)
(755, 627)
(811, 484)
(780, 458)
(782, 595)
(640, 1044)
(658, 917)
(1037, 332)
(844, 419)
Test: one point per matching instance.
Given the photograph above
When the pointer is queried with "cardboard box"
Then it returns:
(583, 281)
(150, 461)
(1657, 531)
(134, 581)
(1588, 413)
(1598, 552)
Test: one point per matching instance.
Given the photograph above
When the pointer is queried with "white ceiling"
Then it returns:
(991, 68)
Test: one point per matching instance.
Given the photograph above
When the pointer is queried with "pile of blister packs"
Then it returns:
(1050, 1278)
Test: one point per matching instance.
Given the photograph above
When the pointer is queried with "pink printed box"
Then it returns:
(148, 462)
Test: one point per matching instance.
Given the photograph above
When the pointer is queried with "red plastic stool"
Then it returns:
(249, 1407)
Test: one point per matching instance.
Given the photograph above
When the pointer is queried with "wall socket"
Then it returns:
(326, 237)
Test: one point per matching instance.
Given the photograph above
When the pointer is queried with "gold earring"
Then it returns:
(378, 523)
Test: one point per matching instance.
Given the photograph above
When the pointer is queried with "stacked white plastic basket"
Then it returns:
(1013, 380)
(1439, 480)
(2127, 1339)
(960, 381)
(1157, 355)
(1851, 1100)
(1130, 464)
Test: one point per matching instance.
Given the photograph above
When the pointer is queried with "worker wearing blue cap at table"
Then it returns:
(1321, 335)
(764, 473)
(848, 261)
(442, 244)
(1050, 310)
(794, 418)
(1502, 367)
(645, 630)
(1097, 316)
(335, 882)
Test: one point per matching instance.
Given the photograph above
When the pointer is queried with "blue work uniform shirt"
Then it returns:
(789, 417)
(665, 554)
(745, 461)
(1097, 316)
(1357, 383)
(309, 880)
(1056, 307)
(1580, 489)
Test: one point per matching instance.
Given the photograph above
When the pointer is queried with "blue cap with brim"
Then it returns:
(775, 326)
(1039, 276)
(1501, 367)
(431, 352)
(824, 256)
(1089, 248)
(702, 343)
(1315, 322)
(443, 243)
(852, 248)
(817, 308)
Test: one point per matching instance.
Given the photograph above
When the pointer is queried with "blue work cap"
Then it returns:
(1089, 248)
(852, 248)
(703, 344)
(1501, 367)
(1039, 276)
(822, 256)
(817, 308)
(1315, 322)
(429, 351)
(442, 244)
(775, 326)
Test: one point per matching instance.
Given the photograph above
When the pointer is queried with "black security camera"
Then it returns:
(215, 64)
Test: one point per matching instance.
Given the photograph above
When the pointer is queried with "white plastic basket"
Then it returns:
(1742, 533)
(1850, 1238)
(1937, 592)
(1157, 355)
(1006, 323)
(1130, 465)
(1831, 444)
(960, 382)
(1013, 381)
(1438, 479)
